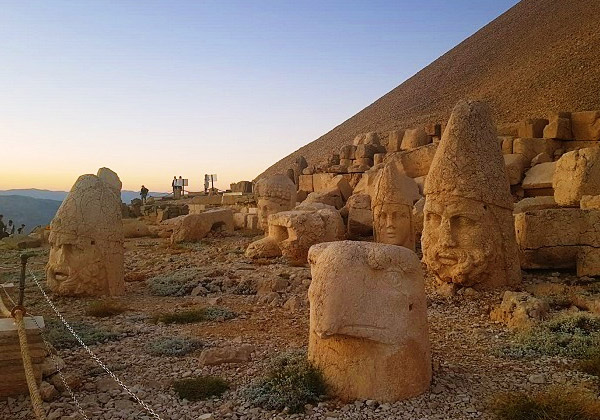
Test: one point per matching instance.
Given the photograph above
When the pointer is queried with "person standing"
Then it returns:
(10, 228)
(2, 227)
(143, 194)
(21, 230)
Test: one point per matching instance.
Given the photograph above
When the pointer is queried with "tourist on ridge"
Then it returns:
(2, 227)
(144, 193)
(10, 228)
(21, 230)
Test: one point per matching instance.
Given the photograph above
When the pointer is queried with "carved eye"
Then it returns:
(433, 218)
(463, 221)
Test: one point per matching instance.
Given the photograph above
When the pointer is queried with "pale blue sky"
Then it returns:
(154, 89)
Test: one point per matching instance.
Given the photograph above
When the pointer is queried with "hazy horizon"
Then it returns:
(156, 89)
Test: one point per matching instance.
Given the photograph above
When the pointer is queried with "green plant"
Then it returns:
(554, 404)
(60, 337)
(209, 313)
(291, 382)
(194, 389)
(104, 308)
(572, 335)
(178, 283)
(172, 346)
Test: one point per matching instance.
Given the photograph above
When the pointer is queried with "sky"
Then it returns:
(153, 89)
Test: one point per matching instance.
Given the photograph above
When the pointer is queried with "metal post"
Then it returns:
(24, 258)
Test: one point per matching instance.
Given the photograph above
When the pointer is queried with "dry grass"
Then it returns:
(553, 404)
(200, 388)
(104, 308)
(590, 366)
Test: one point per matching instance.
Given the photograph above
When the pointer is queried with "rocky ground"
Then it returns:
(270, 300)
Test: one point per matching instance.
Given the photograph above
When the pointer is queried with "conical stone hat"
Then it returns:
(468, 162)
(394, 187)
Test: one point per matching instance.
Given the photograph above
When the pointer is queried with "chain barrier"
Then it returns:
(93, 356)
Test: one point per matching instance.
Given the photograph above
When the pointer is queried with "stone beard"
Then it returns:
(77, 265)
(463, 240)
(393, 225)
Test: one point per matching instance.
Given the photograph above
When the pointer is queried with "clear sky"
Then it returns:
(153, 89)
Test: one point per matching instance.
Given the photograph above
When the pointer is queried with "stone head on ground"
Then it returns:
(274, 194)
(468, 234)
(393, 197)
(86, 240)
(368, 320)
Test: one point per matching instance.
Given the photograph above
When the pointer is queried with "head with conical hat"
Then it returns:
(275, 193)
(468, 235)
(393, 196)
(86, 238)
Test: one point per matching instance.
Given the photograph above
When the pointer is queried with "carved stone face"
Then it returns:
(76, 265)
(393, 225)
(268, 206)
(460, 240)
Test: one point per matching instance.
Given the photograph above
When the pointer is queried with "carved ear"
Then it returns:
(315, 252)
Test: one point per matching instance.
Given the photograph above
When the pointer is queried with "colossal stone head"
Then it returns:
(393, 197)
(86, 239)
(468, 233)
(368, 320)
(275, 193)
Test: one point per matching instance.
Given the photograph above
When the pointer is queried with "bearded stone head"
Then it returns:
(86, 240)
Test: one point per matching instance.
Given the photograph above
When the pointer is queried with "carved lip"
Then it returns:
(447, 258)
(354, 330)
(59, 274)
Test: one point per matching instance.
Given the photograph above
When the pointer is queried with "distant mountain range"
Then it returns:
(126, 196)
(27, 210)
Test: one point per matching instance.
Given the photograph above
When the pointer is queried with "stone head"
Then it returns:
(367, 291)
(393, 198)
(274, 194)
(86, 241)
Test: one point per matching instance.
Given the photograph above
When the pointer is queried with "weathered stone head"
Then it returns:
(468, 234)
(275, 193)
(368, 320)
(86, 239)
(392, 202)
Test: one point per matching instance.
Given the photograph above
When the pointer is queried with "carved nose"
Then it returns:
(446, 237)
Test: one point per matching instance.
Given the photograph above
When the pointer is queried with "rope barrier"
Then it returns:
(34, 392)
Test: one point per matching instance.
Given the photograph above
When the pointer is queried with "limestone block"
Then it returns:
(274, 194)
(134, 228)
(345, 162)
(535, 203)
(331, 197)
(532, 127)
(194, 227)
(515, 167)
(368, 162)
(590, 202)
(468, 181)
(342, 184)
(415, 162)
(394, 143)
(348, 152)
(588, 261)
(420, 180)
(553, 257)
(321, 181)
(569, 146)
(365, 151)
(531, 147)
(358, 168)
(305, 183)
(21, 242)
(540, 176)
(334, 159)
(433, 129)
(506, 143)
(418, 216)
(378, 158)
(86, 239)
(360, 216)
(577, 174)
(415, 138)
(558, 128)
(231, 354)
(586, 125)
(541, 158)
(239, 221)
(266, 247)
(336, 169)
(519, 310)
(367, 138)
(368, 321)
(252, 222)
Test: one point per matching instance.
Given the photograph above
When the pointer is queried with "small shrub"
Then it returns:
(194, 389)
(178, 283)
(554, 404)
(590, 366)
(61, 338)
(291, 382)
(209, 313)
(172, 346)
(104, 308)
(573, 335)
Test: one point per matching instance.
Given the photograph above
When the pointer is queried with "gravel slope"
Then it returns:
(538, 57)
